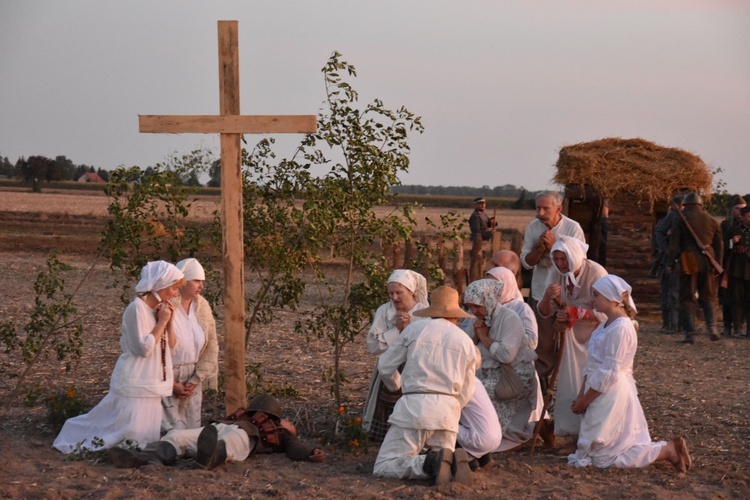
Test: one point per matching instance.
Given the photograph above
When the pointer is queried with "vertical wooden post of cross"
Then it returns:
(231, 125)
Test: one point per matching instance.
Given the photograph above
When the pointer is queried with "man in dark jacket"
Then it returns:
(729, 228)
(480, 222)
(697, 273)
(258, 428)
(738, 270)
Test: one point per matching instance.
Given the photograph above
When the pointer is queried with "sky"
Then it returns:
(500, 85)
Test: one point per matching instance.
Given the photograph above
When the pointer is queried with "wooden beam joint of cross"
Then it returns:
(231, 125)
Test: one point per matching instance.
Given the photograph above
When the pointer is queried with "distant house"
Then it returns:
(91, 177)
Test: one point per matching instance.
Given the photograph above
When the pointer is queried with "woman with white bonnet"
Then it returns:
(407, 291)
(195, 359)
(570, 280)
(512, 298)
(132, 411)
(499, 334)
(614, 431)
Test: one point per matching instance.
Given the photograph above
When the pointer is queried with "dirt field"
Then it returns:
(699, 391)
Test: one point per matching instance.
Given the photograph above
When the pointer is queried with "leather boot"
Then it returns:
(460, 467)
(158, 453)
(212, 451)
(713, 335)
(438, 465)
(687, 340)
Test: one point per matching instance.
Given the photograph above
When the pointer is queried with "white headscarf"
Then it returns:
(575, 251)
(192, 269)
(612, 288)
(484, 292)
(510, 285)
(412, 281)
(158, 275)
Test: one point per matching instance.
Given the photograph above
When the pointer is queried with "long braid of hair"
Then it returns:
(629, 310)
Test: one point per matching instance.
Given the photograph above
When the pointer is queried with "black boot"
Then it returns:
(687, 340)
(158, 453)
(212, 451)
(438, 465)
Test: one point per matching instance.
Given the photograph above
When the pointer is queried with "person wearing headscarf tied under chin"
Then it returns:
(195, 359)
(498, 332)
(512, 298)
(407, 291)
(571, 280)
(614, 431)
(131, 412)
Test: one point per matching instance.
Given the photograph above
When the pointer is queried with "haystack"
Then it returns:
(644, 170)
(637, 178)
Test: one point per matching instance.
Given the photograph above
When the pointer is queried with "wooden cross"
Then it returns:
(231, 125)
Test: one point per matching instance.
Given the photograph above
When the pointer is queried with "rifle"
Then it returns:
(552, 378)
(717, 267)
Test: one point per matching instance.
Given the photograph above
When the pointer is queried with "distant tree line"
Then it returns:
(504, 191)
(37, 169)
(34, 170)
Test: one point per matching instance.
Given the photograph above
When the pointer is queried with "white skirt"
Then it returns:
(115, 420)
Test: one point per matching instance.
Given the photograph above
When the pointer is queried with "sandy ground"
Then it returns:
(699, 391)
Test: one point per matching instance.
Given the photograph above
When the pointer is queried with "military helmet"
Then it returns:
(265, 403)
(692, 199)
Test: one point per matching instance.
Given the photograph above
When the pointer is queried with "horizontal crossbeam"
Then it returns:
(228, 124)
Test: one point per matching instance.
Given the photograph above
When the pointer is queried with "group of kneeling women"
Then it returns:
(596, 405)
(170, 354)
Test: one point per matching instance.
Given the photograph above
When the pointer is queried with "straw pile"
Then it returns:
(637, 167)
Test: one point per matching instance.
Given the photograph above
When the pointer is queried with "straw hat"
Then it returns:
(443, 304)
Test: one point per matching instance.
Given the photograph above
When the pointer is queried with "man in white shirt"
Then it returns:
(437, 380)
(541, 234)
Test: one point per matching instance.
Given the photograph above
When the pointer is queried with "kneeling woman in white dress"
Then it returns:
(132, 410)
(195, 358)
(408, 293)
(614, 432)
(498, 331)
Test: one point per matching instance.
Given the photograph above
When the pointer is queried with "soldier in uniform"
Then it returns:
(668, 272)
(479, 222)
(728, 227)
(258, 428)
(696, 273)
(739, 272)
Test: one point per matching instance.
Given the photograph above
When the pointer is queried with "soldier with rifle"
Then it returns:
(696, 241)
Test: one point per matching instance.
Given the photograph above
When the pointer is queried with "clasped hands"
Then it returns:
(183, 391)
(403, 319)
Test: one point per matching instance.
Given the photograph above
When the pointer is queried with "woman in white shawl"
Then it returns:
(195, 359)
(499, 334)
(571, 280)
(407, 291)
(614, 431)
(512, 298)
(131, 412)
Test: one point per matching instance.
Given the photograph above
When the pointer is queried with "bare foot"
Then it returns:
(684, 461)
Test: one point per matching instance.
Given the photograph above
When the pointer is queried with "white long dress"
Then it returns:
(132, 408)
(185, 413)
(614, 431)
(570, 377)
(509, 346)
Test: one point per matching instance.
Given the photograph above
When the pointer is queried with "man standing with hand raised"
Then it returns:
(541, 234)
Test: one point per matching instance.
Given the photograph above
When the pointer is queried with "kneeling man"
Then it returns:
(439, 363)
